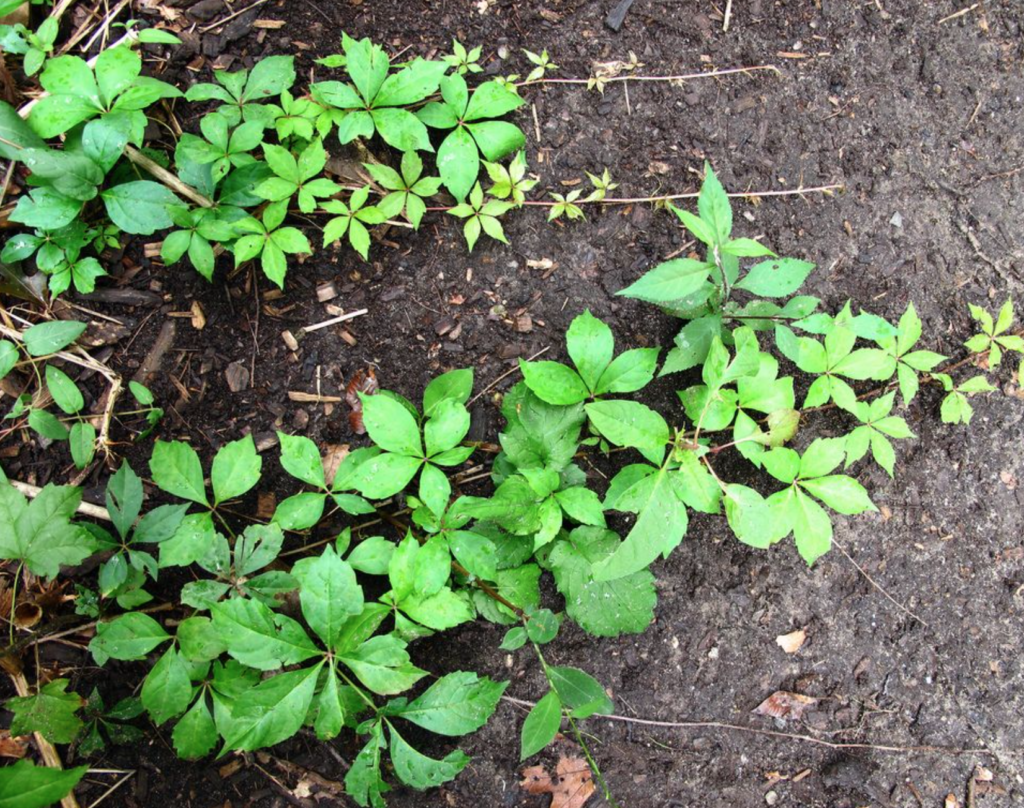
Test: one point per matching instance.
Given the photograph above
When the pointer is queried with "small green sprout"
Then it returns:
(353, 218)
(510, 182)
(480, 215)
(542, 65)
(566, 206)
(994, 338)
(602, 185)
(464, 61)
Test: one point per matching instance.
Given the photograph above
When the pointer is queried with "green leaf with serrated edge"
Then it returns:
(630, 423)
(363, 782)
(713, 205)
(272, 711)
(301, 459)
(602, 608)
(176, 469)
(812, 528)
(382, 664)
(51, 712)
(39, 532)
(235, 470)
(582, 505)
(692, 344)
(518, 586)
(745, 248)
(841, 493)
(579, 692)
(330, 709)
(269, 76)
(372, 555)
(777, 277)
(821, 457)
(456, 704)
(554, 383)
(883, 452)
(259, 637)
(456, 385)
(257, 547)
(124, 498)
(474, 552)
(25, 785)
(458, 163)
(629, 371)
(191, 541)
(441, 611)
(128, 637)
(299, 512)
(694, 484)
(515, 638)
(199, 640)
(542, 626)
(541, 725)
(361, 627)
(140, 207)
(446, 428)
(660, 525)
(669, 282)
(166, 691)
(748, 516)
(328, 593)
(195, 734)
(419, 771)
(391, 426)
(591, 346)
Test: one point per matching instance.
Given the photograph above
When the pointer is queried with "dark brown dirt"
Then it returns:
(921, 120)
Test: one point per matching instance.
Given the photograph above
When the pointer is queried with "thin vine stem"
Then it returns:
(709, 74)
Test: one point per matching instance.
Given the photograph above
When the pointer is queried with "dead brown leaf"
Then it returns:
(362, 382)
(571, 786)
(792, 642)
(334, 454)
(13, 747)
(785, 705)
